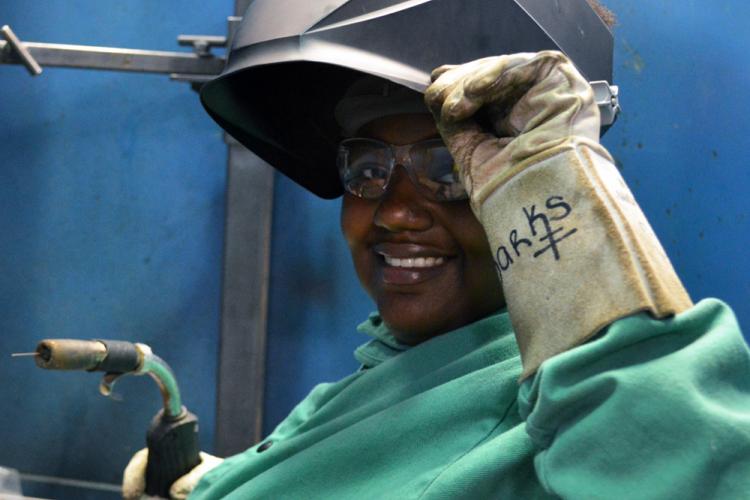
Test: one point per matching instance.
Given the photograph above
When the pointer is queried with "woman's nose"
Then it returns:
(402, 207)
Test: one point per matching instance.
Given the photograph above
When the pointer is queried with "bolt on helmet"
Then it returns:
(292, 60)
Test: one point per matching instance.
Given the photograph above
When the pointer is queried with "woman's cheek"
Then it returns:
(356, 220)
(356, 224)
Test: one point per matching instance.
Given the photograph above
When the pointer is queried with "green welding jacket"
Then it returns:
(647, 409)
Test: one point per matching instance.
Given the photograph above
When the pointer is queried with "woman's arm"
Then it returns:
(649, 409)
(629, 391)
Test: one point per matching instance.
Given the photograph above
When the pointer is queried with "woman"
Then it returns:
(528, 261)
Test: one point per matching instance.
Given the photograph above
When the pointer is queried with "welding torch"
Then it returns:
(172, 437)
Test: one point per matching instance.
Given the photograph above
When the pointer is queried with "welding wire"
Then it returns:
(19, 354)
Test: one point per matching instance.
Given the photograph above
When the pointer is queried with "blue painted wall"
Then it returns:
(681, 143)
(111, 209)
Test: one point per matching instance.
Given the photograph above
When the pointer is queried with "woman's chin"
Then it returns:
(412, 321)
(416, 318)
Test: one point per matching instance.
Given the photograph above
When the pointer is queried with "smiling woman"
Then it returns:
(546, 373)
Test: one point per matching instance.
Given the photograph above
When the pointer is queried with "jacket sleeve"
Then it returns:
(647, 409)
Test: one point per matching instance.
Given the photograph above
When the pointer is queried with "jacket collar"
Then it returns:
(384, 345)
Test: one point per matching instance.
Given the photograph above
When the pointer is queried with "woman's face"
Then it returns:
(457, 283)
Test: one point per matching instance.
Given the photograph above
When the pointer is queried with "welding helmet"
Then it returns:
(292, 60)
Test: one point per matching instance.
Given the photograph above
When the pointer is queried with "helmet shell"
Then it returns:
(292, 60)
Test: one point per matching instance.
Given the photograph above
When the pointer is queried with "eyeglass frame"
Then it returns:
(400, 155)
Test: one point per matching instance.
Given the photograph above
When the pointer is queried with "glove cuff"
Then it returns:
(573, 249)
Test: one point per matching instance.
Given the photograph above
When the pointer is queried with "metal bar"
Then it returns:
(109, 58)
(233, 24)
(242, 353)
(244, 308)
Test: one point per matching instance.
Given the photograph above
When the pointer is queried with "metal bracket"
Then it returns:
(606, 97)
(202, 44)
(16, 46)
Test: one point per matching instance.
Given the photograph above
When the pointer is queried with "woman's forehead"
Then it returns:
(401, 129)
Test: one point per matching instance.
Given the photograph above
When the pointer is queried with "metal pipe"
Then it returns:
(158, 370)
(110, 58)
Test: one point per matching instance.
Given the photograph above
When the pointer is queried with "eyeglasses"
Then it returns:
(366, 166)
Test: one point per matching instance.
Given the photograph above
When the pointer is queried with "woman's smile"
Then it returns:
(406, 264)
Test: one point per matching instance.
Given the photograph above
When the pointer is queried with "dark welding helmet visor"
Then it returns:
(291, 61)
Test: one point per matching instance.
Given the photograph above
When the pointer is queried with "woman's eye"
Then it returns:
(372, 173)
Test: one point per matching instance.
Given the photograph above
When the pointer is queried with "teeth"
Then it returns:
(416, 262)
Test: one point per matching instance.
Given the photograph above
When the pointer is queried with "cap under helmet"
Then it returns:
(292, 60)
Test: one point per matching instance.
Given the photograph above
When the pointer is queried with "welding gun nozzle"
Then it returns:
(70, 354)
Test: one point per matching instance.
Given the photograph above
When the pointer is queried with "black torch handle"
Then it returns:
(173, 451)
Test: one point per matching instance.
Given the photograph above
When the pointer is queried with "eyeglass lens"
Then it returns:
(366, 165)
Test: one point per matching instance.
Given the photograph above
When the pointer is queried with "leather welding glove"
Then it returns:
(134, 477)
(572, 247)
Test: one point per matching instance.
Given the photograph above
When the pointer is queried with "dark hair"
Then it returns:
(607, 15)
